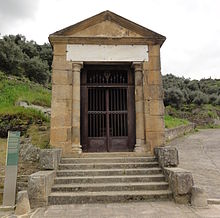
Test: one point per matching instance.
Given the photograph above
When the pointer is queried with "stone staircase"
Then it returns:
(105, 178)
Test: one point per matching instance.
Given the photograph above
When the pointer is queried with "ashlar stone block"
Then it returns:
(62, 77)
(60, 63)
(154, 123)
(61, 119)
(153, 92)
(50, 158)
(154, 50)
(199, 197)
(167, 156)
(154, 78)
(181, 183)
(39, 187)
(154, 63)
(60, 134)
(22, 203)
(156, 107)
(59, 49)
(60, 92)
(155, 139)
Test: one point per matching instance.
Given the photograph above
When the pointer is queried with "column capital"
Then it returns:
(77, 65)
(138, 66)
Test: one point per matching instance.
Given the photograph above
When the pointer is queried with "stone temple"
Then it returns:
(107, 91)
(108, 118)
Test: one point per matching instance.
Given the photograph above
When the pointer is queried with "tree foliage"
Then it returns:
(179, 91)
(25, 58)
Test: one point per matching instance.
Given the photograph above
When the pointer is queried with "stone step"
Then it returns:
(108, 165)
(95, 187)
(58, 198)
(109, 172)
(109, 179)
(114, 154)
(107, 160)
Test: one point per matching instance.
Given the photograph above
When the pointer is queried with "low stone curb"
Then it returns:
(173, 133)
(7, 208)
(214, 201)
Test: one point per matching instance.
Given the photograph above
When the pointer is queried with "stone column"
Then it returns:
(139, 107)
(76, 147)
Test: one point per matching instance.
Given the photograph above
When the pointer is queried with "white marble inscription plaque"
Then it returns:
(107, 53)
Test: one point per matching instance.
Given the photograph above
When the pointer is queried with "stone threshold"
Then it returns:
(109, 154)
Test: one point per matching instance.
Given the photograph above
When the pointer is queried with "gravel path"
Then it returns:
(200, 153)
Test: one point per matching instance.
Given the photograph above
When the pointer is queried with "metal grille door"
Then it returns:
(105, 110)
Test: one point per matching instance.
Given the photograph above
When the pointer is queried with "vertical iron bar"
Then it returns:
(107, 117)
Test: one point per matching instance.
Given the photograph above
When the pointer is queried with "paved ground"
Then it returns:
(164, 209)
(200, 153)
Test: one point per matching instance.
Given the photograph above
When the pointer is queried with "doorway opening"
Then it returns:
(107, 108)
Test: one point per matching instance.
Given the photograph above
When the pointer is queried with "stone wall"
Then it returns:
(153, 99)
(178, 131)
(61, 114)
(180, 180)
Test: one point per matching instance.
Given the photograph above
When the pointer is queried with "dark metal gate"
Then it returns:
(107, 109)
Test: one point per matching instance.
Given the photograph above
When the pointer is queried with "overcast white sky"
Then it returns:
(192, 27)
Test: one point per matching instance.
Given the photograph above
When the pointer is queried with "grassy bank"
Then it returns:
(172, 122)
(17, 118)
(13, 90)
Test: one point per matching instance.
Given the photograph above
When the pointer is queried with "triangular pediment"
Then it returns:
(105, 29)
(109, 25)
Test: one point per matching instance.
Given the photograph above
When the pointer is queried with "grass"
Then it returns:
(172, 122)
(39, 138)
(13, 90)
(3, 145)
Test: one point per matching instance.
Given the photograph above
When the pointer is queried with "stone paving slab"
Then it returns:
(200, 153)
(163, 209)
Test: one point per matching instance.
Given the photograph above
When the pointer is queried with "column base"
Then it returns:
(140, 147)
(76, 148)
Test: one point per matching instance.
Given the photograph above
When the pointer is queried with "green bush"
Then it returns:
(25, 58)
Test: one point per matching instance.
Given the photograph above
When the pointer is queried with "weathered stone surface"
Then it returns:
(199, 197)
(49, 158)
(60, 63)
(59, 49)
(62, 77)
(107, 29)
(62, 119)
(39, 187)
(63, 105)
(60, 135)
(181, 182)
(28, 152)
(153, 92)
(61, 92)
(167, 156)
(154, 50)
(45, 110)
(156, 107)
(154, 123)
(178, 131)
(154, 78)
(154, 63)
(22, 204)
(155, 139)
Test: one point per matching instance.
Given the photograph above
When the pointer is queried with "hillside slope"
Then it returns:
(14, 117)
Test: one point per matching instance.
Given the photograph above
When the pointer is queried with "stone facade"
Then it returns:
(106, 28)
